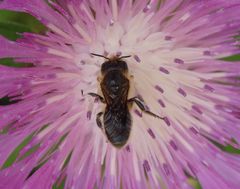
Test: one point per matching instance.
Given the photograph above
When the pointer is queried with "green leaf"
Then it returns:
(7, 101)
(60, 185)
(13, 156)
(194, 183)
(53, 148)
(232, 58)
(29, 152)
(11, 63)
(12, 24)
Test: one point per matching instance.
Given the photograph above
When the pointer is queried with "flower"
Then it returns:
(177, 49)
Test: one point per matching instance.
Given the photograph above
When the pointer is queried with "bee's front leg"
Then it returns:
(97, 96)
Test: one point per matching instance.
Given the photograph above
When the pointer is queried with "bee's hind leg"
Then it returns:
(140, 104)
(98, 120)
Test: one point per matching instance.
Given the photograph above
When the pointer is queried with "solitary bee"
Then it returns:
(115, 87)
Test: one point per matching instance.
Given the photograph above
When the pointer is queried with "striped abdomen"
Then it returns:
(117, 124)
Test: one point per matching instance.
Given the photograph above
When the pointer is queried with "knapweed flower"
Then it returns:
(49, 132)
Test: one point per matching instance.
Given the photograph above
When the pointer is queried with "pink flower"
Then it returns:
(176, 49)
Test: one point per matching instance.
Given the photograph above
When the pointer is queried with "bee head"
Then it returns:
(114, 63)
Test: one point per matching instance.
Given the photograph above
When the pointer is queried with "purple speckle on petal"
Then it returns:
(168, 38)
(164, 70)
(146, 166)
(208, 87)
(194, 130)
(51, 76)
(166, 120)
(161, 103)
(82, 62)
(89, 115)
(137, 58)
(150, 132)
(159, 89)
(206, 53)
(138, 113)
(182, 92)
(197, 109)
(173, 144)
(178, 61)
(128, 148)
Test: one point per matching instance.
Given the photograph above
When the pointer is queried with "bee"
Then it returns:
(115, 86)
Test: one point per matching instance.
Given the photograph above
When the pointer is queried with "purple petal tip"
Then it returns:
(164, 70)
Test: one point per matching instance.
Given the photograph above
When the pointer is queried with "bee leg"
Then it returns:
(97, 96)
(98, 119)
(142, 107)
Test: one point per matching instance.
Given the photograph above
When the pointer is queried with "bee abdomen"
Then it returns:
(117, 127)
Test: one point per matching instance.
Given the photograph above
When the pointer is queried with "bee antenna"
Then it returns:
(121, 57)
(100, 56)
